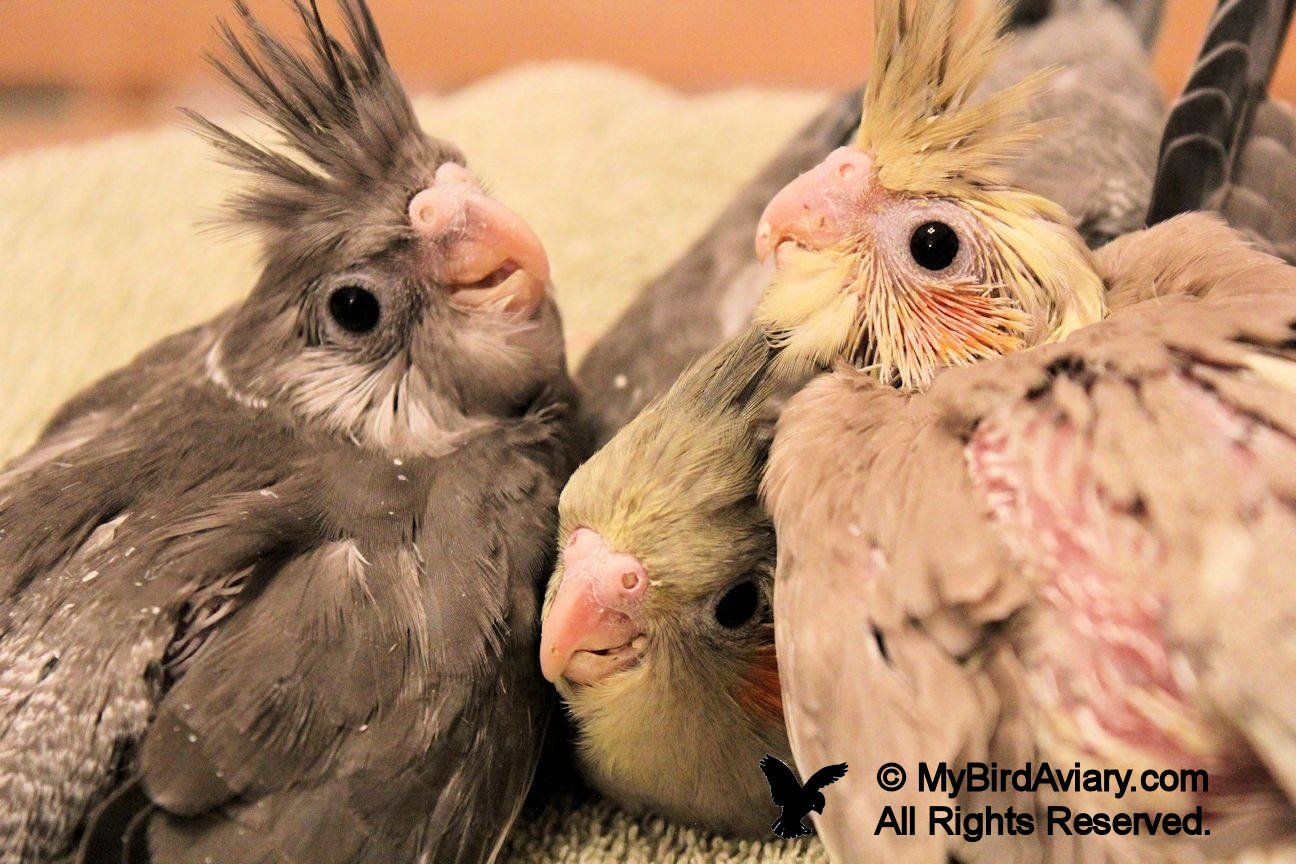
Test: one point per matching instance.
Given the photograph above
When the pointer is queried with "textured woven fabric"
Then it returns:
(569, 832)
(101, 254)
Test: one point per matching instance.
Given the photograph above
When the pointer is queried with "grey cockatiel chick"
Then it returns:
(1098, 164)
(1078, 552)
(284, 567)
(670, 679)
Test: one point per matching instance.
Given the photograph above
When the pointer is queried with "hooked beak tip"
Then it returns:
(593, 627)
(485, 254)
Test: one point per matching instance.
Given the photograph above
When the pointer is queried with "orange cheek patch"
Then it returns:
(761, 696)
(945, 325)
(972, 324)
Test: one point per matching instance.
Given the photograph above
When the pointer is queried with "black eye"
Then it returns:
(934, 245)
(354, 309)
(738, 605)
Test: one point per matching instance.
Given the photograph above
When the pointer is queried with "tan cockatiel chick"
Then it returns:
(1078, 552)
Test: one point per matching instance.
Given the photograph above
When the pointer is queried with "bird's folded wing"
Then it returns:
(101, 549)
(1260, 199)
(911, 525)
(377, 700)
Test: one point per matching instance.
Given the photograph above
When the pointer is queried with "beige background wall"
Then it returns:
(73, 69)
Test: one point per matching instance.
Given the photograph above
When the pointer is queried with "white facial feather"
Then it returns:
(388, 406)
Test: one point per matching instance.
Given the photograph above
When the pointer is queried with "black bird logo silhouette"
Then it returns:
(796, 800)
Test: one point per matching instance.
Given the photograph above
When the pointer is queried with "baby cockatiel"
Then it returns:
(665, 654)
(1076, 553)
(1079, 552)
(284, 568)
(1098, 164)
(674, 707)
(911, 248)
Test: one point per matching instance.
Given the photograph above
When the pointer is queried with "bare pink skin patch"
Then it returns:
(1099, 657)
(487, 255)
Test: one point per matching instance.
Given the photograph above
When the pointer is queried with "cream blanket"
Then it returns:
(101, 254)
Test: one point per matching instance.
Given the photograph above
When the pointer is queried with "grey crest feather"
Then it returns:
(347, 124)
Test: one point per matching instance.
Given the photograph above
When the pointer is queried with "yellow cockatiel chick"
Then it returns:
(910, 250)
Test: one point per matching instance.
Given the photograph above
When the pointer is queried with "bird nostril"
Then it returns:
(629, 580)
(428, 209)
(846, 170)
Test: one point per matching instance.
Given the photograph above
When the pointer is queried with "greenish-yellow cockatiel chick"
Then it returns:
(665, 655)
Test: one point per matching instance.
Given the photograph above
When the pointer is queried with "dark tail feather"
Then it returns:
(1209, 125)
(790, 829)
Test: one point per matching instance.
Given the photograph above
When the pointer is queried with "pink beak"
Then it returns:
(818, 208)
(484, 253)
(592, 630)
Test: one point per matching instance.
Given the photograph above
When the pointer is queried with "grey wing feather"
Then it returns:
(100, 549)
(1260, 197)
(1206, 149)
(110, 829)
(377, 701)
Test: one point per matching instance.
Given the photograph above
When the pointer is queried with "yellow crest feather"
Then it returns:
(928, 140)
(925, 133)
